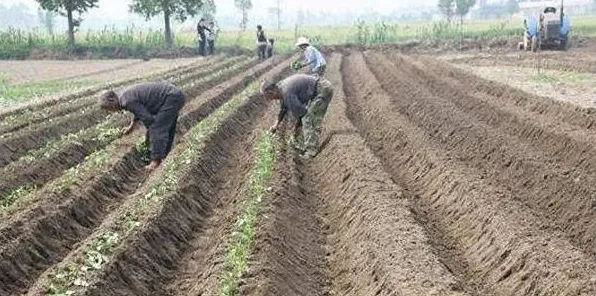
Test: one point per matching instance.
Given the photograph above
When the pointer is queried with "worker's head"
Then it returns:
(211, 24)
(270, 90)
(302, 43)
(109, 101)
(271, 41)
(259, 27)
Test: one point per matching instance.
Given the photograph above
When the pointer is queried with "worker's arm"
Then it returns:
(309, 57)
(140, 112)
(283, 110)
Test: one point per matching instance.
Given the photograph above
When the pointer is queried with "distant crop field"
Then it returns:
(131, 42)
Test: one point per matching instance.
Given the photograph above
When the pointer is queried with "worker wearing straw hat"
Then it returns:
(313, 59)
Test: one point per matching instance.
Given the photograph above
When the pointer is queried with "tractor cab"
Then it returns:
(550, 10)
(549, 30)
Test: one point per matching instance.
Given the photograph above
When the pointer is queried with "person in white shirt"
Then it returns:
(211, 37)
(313, 59)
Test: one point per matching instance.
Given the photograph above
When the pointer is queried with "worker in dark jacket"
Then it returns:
(157, 105)
(261, 43)
(201, 28)
(306, 97)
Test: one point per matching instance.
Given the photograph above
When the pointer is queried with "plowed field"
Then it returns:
(430, 181)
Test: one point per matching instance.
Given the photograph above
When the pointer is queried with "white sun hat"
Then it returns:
(302, 41)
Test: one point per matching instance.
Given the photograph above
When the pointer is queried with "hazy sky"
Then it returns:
(118, 9)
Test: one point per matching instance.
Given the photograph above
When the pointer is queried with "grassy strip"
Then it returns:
(242, 241)
(102, 133)
(18, 93)
(68, 280)
(97, 161)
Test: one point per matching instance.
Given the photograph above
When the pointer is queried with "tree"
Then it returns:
(208, 10)
(513, 6)
(47, 19)
(276, 12)
(68, 8)
(178, 9)
(447, 9)
(244, 6)
(462, 8)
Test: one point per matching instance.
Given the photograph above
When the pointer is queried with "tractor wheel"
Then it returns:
(535, 44)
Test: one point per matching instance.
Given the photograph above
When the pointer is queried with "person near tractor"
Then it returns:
(201, 28)
(313, 59)
(261, 43)
(155, 104)
(306, 98)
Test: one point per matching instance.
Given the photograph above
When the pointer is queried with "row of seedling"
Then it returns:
(242, 240)
(105, 131)
(93, 256)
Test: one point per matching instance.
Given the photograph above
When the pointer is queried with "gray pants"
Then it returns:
(161, 133)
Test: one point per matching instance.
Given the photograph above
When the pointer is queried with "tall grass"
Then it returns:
(134, 42)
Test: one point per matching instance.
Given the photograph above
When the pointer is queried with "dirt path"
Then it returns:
(469, 211)
(19, 72)
(378, 248)
(547, 164)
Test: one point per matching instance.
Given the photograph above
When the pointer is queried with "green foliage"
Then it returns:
(47, 19)
(70, 277)
(462, 7)
(244, 6)
(7, 200)
(179, 9)
(446, 7)
(67, 8)
(242, 241)
(10, 93)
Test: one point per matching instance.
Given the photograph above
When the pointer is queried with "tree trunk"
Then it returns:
(279, 15)
(71, 27)
(244, 18)
(168, 30)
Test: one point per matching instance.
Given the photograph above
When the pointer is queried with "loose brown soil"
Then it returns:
(471, 210)
(430, 181)
(29, 228)
(37, 71)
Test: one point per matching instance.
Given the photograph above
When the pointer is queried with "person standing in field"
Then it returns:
(211, 37)
(261, 42)
(201, 28)
(313, 59)
(155, 104)
(270, 48)
(306, 97)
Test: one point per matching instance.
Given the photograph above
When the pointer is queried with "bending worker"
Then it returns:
(157, 105)
(306, 97)
(312, 58)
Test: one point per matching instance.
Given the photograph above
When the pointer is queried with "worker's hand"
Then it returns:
(273, 129)
(127, 130)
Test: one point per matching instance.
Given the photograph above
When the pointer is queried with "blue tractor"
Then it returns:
(549, 31)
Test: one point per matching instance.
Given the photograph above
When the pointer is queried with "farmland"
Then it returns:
(437, 176)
